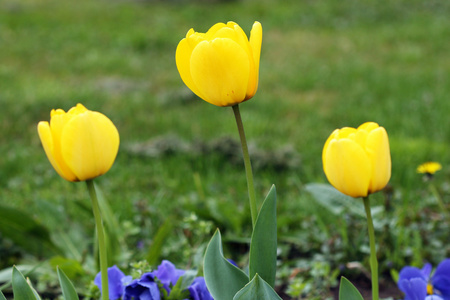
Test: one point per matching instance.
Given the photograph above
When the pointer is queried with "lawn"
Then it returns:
(324, 65)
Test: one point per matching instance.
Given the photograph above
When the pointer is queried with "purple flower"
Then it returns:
(416, 283)
(168, 274)
(115, 285)
(198, 290)
(441, 279)
(144, 288)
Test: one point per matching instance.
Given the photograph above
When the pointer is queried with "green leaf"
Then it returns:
(2, 297)
(71, 267)
(347, 291)
(394, 274)
(67, 287)
(26, 232)
(179, 290)
(334, 201)
(257, 289)
(153, 255)
(116, 245)
(222, 278)
(6, 274)
(22, 290)
(263, 247)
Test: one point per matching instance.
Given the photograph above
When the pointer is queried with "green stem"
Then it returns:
(438, 197)
(373, 251)
(248, 165)
(101, 239)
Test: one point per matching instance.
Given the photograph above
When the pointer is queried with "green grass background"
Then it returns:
(324, 65)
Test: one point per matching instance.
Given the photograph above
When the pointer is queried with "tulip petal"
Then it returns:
(183, 61)
(377, 148)
(255, 45)
(48, 143)
(212, 31)
(90, 142)
(347, 167)
(325, 147)
(220, 69)
(234, 32)
(368, 126)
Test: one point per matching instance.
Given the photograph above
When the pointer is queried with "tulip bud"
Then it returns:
(357, 162)
(80, 144)
(221, 66)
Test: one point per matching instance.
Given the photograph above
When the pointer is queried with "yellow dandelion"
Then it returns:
(429, 167)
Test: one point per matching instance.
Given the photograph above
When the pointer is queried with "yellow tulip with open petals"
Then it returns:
(357, 162)
(80, 144)
(221, 66)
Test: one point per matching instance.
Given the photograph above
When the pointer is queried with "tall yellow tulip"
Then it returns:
(80, 144)
(357, 162)
(221, 66)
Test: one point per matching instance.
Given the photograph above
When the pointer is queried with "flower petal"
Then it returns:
(426, 271)
(377, 148)
(220, 70)
(255, 44)
(411, 272)
(347, 167)
(89, 144)
(168, 274)
(48, 143)
(414, 288)
(115, 276)
(183, 62)
(198, 290)
(441, 279)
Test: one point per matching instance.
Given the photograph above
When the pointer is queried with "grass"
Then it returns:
(324, 65)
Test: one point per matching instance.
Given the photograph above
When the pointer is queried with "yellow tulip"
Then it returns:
(221, 66)
(80, 144)
(357, 162)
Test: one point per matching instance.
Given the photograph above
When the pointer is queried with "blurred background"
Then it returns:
(179, 174)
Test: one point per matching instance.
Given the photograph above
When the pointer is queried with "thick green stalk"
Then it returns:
(373, 251)
(248, 165)
(101, 239)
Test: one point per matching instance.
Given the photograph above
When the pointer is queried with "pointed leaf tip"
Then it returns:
(222, 278)
(347, 291)
(263, 247)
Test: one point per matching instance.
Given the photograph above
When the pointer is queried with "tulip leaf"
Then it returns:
(2, 297)
(334, 201)
(21, 289)
(26, 232)
(222, 278)
(347, 291)
(6, 274)
(68, 290)
(263, 247)
(257, 289)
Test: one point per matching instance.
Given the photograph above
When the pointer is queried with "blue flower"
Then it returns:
(198, 290)
(168, 274)
(441, 279)
(115, 282)
(416, 283)
(144, 288)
